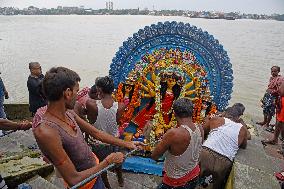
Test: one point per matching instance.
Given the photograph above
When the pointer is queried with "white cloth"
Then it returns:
(224, 139)
(179, 166)
(106, 118)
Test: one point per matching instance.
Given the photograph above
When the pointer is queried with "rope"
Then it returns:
(202, 181)
(85, 181)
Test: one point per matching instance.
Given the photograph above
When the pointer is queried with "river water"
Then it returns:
(87, 45)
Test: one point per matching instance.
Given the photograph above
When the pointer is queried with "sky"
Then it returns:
(242, 6)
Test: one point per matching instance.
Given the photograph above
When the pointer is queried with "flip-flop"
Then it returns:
(260, 123)
(270, 130)
(280, 176)
(280, 152)
(265, 142)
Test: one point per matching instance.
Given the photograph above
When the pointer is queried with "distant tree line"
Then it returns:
(82, 11)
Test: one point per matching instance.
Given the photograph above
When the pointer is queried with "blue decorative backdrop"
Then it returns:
(209, 54)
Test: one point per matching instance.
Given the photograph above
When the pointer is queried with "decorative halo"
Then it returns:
(207, 51)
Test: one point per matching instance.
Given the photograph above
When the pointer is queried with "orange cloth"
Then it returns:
(90, 184)
(280, 114)
(183, 180)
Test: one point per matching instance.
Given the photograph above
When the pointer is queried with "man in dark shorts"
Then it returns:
(279, 118)
(269, 99)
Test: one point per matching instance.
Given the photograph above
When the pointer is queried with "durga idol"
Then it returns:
(170, 90)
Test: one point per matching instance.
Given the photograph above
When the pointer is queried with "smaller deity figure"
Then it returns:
(138, 136)
(127, 90)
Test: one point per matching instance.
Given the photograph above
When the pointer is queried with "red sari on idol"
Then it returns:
(145, 114)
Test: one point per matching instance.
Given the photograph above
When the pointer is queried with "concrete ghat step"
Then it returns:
(253, 168)
(58, 182)
(39, 183)
(255, 156)
(13, 181)
(135, 180)
(25, 138)
(18, 171)
(247, 177)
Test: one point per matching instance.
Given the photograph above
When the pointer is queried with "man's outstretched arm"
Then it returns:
(163, 145)
(243, 138)
(6, 125)
(57, 155)
(102, 136)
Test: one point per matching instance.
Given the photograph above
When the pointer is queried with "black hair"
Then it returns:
(93, 89)
(232, 112)
(57, 80)
(32, 64)
(164, 86)
(240, 107)
(277, 67)
(209, 107)
(183, 108)
(106, 84)
(131, 91)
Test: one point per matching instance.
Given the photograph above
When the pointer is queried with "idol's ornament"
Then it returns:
(162, 63)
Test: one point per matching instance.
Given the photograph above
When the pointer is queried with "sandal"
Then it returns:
(260, 123)
(265, 142)
(270, 129)
(280, 176)
(280, 152)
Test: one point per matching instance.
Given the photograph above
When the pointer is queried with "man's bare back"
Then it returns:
(180, 139)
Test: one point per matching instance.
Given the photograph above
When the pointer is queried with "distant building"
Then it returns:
(109, 5)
